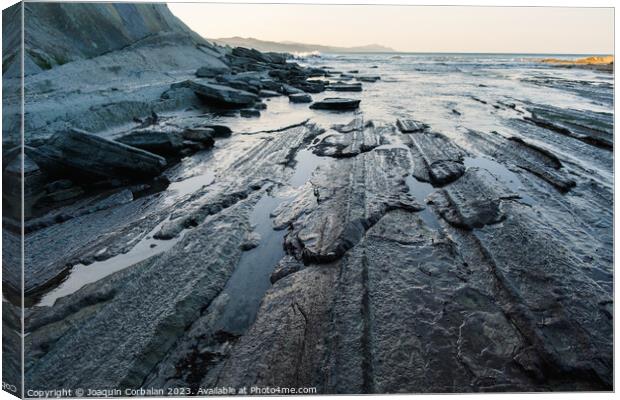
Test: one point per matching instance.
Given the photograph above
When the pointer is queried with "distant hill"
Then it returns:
(293, 47)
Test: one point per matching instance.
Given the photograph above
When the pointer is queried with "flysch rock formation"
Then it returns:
(349, 254)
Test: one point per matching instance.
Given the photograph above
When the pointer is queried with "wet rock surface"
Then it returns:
(473, 201)
(300, 98)
(345, 87)
(350, 140)
(76, 152)
(592, 128)
(438, 160)
(410, 126)
(334, 211)
(221, 95)
(426, 251)
(336, 103)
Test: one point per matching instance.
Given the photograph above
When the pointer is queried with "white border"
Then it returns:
(519, 3)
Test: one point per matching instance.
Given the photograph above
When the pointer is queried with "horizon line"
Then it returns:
(290, 42)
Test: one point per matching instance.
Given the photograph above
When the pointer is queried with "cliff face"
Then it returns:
(56, 33)
(127, 54)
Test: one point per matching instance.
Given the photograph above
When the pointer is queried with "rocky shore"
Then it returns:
(600, 63)
(168, 248)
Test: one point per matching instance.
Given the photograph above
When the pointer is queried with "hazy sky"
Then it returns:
(411, 28)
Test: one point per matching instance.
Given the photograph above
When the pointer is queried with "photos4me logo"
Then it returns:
(9, 387)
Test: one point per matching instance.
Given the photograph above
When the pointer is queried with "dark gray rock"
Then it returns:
(287, 266)
(249, 113)
(345, 87)
(411, 126)
(211, 72)
(441, 161)
(334, 211)
(268, 93)
(158, 315)
(311, 87)
(55, 186)
(594, 128)
(289, 90)
(300, 98)
(351, 139)
(473, 201)
(64, 194)
(76, 152)
(22, 170)
(252, 54)
(336, 104)
(526, 155)
(270, 84)
(163, 140)
(368, 78)
(220, 95)
(201, 135)
(251, 241)
(219, 131)
(298, 306)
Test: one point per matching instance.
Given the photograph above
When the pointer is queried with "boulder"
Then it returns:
(77, 153)
(300, 98)
(220, 95)
(336, 104)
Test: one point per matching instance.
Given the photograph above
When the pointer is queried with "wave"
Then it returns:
(306, 54)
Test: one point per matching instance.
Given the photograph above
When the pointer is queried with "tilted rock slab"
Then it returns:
(350, 140)
(76, 152)
(441, 159)
(473, 201)
(335, 104)
(594, 128)
(220, 95)
(121, 343)
(341, 202)
(411, 126)
(526, 155)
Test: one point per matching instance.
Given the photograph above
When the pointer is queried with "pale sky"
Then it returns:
(411, 28)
